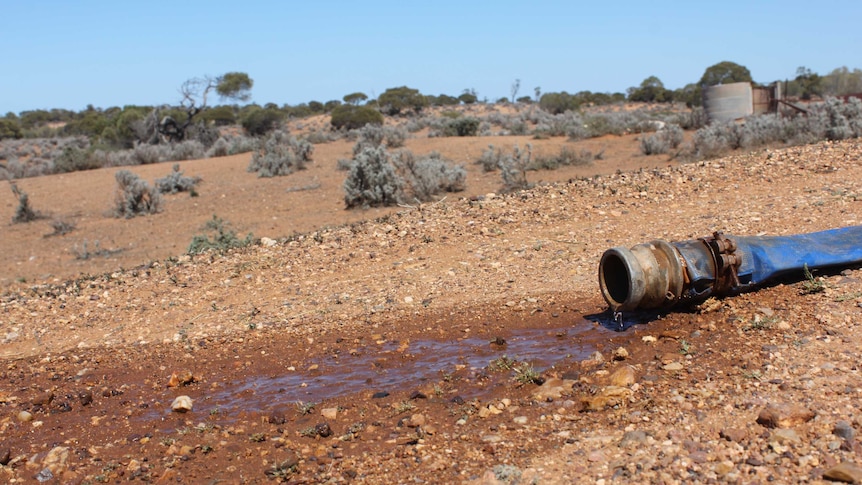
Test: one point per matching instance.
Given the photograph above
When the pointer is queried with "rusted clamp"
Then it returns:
(726, 261)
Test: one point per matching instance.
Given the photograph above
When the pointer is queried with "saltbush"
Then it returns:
(135, 196)
(281, 154)
(462, 127)
(372, 180)
(662, 141)
(176, 182)
(429, 175)
(223, 239)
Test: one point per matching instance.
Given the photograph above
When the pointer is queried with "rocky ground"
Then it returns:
(462, 341)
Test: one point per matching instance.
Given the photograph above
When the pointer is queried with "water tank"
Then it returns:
(728, 102)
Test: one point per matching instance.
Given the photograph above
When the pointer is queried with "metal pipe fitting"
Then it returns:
(659, 274)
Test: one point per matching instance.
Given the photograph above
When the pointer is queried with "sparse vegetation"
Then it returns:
(662, 141)
(372, 180)
(811, 284)
(223, 239)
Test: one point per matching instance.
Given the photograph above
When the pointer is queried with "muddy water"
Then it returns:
(393, 366)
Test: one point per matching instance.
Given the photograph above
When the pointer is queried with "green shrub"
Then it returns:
(74, 159)
(261, 121)
(462, 127)
(135, 196)
(350, 117)
(223, 239)
(490, 159)
(281, 154)
(567, 157)
(395, 100)
(372, 180)
(10, 129)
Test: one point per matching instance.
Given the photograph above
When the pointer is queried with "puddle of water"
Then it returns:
(390, 367)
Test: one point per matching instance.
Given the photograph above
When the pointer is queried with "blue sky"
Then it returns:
(68, 54)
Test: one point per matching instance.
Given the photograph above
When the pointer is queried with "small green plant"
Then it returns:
(526, 374)
(404, 406)
(685, 347)
(257, 438)
(61, 227)
(281, 154)
(760, 323)
(513, 169)
(282, 470)
(811, 284)
(755, 375)
(848, 296)
(503, 363)
(223, 239)
(304, 408)
(309, 432)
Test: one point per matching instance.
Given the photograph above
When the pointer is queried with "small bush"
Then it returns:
(490, 159)
(281, 154)
(430, 175)
(261, 121)
(177, 182)
(220, 148)
(223, 239)
(513, 169)
(23, 213)
(662, 141)
(372, 180)
(60, 227)
(135, 196)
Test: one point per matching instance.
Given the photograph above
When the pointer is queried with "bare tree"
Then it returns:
(235, 86)
(516, 86)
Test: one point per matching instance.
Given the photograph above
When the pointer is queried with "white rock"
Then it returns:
(182, 404)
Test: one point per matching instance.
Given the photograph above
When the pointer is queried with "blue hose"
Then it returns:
(660, 274)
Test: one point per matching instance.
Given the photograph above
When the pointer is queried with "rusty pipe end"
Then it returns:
(646, 276)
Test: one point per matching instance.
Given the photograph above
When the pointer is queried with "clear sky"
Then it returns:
(68, 54)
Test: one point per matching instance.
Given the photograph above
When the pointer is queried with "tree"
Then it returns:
(9, 128)
(651, 90)
(810, 83)
(556, 103)
(841, 81)
(352, 117)
(232, 85)
(516, 86)
(468, 97)
(725, 72)
(355, 99)
(394, 100)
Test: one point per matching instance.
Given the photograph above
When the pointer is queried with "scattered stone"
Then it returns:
(418, 395)
(784, 436)
(844, 472)
(416, 421)
(323, 430)
(553, 388)
(56, 459)
(608, 397)
(25, 416)
(784, 415)
(737, 435)
(843, 429)
(673, 366)
(267, 242)
(520, 420)
(621, 354)
(85, 397)
(5, 456)
(636, 437)
(379, 395)
(182, 404)
(43, 399)
(623, 377)
(182, 378)
(329, 413)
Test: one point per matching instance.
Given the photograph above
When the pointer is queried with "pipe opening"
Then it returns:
(616, 280)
